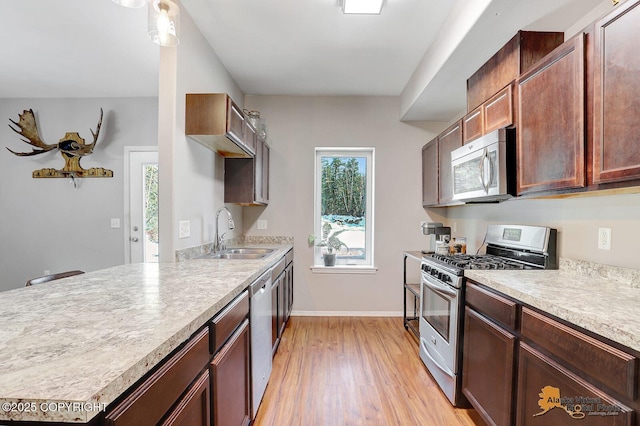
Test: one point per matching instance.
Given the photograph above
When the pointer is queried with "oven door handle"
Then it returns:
(443, 368)
(439, 288)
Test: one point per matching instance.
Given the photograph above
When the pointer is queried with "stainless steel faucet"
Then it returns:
(219, 244)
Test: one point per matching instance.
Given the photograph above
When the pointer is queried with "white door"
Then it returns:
(141, 235)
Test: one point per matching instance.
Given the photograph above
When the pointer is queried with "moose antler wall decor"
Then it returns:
(72, 148)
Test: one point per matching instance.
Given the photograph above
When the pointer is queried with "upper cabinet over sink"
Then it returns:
(214, 120)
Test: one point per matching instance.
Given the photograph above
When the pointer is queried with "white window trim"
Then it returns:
(363, 268)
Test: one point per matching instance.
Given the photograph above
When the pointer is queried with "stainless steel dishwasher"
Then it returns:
(260, 323)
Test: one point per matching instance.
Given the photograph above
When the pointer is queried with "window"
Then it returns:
(344, 205)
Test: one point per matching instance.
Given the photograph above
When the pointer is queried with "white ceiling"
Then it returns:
(95, 48)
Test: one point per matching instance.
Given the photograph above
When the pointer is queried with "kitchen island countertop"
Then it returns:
(86, 339)
(598, 298)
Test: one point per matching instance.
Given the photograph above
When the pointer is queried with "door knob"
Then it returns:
(133, 239)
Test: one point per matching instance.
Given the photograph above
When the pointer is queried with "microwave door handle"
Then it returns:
(481, 167)
(483, 161)
(491, 171)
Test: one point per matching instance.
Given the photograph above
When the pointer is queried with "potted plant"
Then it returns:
(329, 240)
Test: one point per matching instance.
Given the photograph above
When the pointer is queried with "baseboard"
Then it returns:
(346, 314)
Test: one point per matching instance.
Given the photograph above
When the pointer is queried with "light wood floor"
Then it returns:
(338, 371)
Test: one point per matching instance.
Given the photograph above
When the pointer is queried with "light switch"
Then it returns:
(262, 223)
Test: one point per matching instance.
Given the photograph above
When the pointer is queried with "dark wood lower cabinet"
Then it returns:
(550, 395)
(194, 409)
(230, 381)
(523, 366)
(488, 363)
(155, 396)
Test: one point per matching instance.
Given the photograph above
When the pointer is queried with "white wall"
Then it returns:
(46, 223)
(191, 176)
(296, 125)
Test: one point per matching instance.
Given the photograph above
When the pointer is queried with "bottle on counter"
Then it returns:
(458, 245)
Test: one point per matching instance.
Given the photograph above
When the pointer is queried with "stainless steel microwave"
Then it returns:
(484, 170)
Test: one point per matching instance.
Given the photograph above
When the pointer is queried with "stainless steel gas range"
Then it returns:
(442, 294)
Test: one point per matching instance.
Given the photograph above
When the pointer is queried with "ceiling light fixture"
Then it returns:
(164, 22)
(363, 7)
(131, 3)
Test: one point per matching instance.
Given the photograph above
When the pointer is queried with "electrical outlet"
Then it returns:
(185, 229)
(262, 223)
(115, 223)
(454, 227)
(604, 238)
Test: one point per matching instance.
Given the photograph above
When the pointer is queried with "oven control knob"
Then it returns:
(446, 278)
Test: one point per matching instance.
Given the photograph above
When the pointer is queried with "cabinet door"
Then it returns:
(249, 136)
(488, 360)
(194, 408)
(275, 325)
(289, 272)
(282, 303)
(616, 126)
(258, 176)
(266, 151)
(548, 395)
(230, 381)
(472, 124)
(235, 122)
(449, 140)
(551, 135)
(498, 111)
(430, 173)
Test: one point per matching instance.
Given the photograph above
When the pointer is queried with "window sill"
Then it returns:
(344, 269)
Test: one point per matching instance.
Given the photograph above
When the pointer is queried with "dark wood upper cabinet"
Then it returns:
(246, 180)
(551, 121)
(448, 140)
(215, 121)
(495, 113)
(616, 96)
(472, 124)
(430, 181)
(498, 111)
(518, 55)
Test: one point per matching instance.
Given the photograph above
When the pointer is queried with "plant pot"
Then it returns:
(329, 259)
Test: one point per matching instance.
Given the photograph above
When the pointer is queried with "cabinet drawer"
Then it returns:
(289, 256)
(605, 364)
(154, 397)
(224, 324)
(496, 307)
(548, 395)
(278, 268)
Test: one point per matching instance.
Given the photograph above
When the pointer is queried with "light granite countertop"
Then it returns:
(602, 299)
(86, 339)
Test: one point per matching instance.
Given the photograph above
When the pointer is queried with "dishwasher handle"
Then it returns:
(260, 283)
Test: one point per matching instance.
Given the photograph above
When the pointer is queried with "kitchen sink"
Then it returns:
(249, 250)
(239, 253)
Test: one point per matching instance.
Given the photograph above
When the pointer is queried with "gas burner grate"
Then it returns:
(469, 261)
